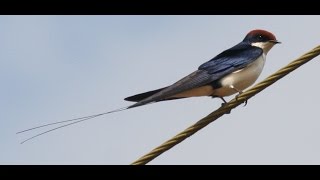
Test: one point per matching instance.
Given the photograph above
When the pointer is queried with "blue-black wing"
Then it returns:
(196, 79)
(231, 60)
(225, 63)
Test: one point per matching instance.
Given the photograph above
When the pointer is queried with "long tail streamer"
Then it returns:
(71, 122)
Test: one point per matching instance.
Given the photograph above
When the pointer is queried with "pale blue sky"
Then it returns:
(60, 67)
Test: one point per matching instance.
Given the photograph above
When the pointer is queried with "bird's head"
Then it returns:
(262, 39)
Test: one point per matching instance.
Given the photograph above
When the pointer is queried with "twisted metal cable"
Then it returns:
(228, 106)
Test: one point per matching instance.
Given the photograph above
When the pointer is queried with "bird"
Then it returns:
(228, 73)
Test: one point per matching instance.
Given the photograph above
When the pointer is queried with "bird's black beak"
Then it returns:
(275, 41)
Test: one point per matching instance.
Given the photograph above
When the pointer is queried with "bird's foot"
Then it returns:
(245, 102)
(224, 104)
(239, 93)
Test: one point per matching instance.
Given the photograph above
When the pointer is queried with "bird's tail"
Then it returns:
(142, 96)
(140, 99)
(67, 123)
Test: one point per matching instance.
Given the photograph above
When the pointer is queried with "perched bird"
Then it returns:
(228, 73)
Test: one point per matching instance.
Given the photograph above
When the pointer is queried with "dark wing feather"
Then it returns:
(225, 63)
(231, 60)
(193, 80)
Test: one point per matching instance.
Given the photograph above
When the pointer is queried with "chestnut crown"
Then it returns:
(259, 35)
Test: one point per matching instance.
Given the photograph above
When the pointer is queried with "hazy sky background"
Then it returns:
(60, 67)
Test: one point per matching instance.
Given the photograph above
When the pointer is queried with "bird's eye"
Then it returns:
(260, 37)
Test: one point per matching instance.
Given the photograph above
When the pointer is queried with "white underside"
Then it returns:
(240, 80)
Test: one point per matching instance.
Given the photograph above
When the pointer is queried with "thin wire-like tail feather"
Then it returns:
(146, 101)
(45, 132)
(75, 121)
(59, 122)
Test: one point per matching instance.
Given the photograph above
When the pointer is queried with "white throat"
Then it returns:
(265, 46)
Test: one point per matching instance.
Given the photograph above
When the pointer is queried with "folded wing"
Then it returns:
(223, 64)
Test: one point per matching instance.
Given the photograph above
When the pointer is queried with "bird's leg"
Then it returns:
(240, 92)
(224, 103)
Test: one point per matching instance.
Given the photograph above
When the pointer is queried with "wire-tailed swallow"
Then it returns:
(228, 73)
